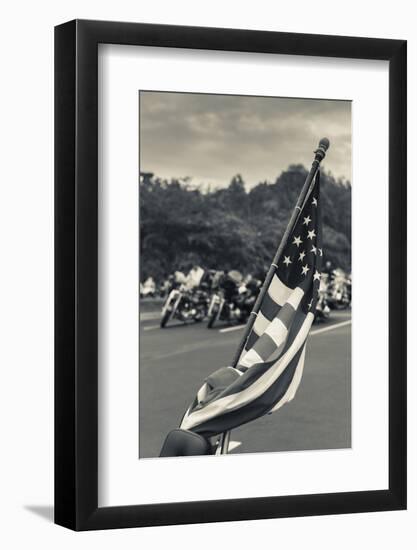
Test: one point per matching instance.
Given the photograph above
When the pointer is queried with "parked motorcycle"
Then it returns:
(322, 307)
(184, 305)
(233, 300)
(339, 292)
(148, 288)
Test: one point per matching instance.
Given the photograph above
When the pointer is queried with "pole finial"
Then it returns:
(322, 148)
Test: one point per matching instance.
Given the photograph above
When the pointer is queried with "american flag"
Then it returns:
(271, 366)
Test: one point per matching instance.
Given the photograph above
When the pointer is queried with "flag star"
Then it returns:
(307, 220)
(314, 249)
(317, 276)
(297, 241)
(287, 260)
(314, 203)
(311, 234)
(310, 304)
(321, 251)
(305, 269)
(301, 257)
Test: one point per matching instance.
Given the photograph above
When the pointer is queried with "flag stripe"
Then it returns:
(277, 331)
(298, 321)
(286, 315)
(278, 291)
(251, 358)
(295, 382)
(269, 307)
(295, 297)
(266, 346)
(260, 324)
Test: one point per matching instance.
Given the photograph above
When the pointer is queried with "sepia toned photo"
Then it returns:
(245, 283)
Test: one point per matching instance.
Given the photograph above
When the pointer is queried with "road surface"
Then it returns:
(174, 362)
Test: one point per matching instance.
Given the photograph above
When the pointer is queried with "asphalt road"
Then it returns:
(174, 362)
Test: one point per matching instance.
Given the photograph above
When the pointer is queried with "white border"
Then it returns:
(123, 479)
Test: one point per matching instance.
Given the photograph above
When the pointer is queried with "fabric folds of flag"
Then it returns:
(271, 365)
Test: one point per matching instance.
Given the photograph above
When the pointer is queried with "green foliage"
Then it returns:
(231, 228)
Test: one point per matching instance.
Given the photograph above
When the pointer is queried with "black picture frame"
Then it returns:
(76, 272)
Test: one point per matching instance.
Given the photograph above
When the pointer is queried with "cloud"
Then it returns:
(212, 137)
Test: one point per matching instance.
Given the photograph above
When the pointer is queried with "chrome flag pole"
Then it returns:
(320, 153)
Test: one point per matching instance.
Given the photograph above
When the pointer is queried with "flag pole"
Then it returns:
(320, 153)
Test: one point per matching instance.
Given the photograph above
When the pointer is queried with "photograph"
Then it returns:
(245, 283)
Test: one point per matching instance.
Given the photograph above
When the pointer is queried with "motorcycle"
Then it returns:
(184, 305)
(215, 309)
(322, 307)
(147, 289)
(233, 302)
(338, 294)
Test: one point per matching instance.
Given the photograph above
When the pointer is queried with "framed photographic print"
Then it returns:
(230, 275)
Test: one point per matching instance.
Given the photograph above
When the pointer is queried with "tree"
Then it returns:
(230, 228)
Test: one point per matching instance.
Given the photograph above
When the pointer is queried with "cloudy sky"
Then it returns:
(210, 138)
